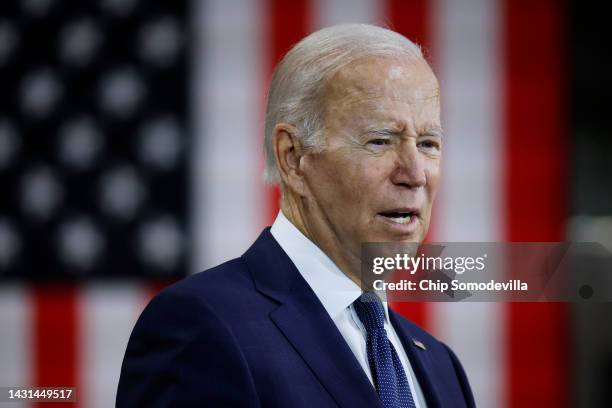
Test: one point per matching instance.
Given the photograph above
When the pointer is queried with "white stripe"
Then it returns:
(15, 338)
(227, 204)
(107, 313)
(475, 332)
(467, 44)
(466, 41)
(331, 12)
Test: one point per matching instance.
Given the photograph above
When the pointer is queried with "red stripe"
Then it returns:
(288, 23)
(411, 19)
(416, 312)
(55, 337)
(535, 180)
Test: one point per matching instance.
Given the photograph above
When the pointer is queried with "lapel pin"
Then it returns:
(419, 344)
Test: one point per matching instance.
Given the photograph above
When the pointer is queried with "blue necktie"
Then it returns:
(387, 371)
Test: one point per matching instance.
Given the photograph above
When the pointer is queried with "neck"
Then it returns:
(321, 234)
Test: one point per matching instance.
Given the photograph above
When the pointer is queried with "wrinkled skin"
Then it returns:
(382, 152)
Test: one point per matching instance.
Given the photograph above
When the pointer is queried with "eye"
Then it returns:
(429, 144)
(379, 142)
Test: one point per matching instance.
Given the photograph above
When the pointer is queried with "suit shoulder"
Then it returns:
(229, 276)
(192, 303)
(220, 291)
(180, 338)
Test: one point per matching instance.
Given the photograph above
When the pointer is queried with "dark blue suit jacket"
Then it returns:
(251, 333)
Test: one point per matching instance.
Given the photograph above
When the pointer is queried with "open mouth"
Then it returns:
(399, 217)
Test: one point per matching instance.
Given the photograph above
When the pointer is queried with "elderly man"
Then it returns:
(353, 136)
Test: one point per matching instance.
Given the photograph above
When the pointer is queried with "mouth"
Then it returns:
(400, 222)
(401, 216)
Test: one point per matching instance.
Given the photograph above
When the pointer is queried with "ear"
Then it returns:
(288, 153)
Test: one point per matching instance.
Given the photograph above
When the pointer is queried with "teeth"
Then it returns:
(401, 219)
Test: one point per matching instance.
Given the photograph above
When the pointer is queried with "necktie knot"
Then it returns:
(370, 310)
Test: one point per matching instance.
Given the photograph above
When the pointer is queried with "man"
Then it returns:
(353, 137)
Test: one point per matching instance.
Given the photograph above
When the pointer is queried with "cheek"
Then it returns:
(330, 180)
(367, 176)
(432, 173)
(343, 183)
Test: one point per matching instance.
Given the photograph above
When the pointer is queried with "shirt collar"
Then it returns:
(333, 288)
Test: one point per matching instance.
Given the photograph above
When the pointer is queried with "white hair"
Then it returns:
(299, 79)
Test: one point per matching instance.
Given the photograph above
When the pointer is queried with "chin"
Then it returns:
(407, 238)
(411, 239)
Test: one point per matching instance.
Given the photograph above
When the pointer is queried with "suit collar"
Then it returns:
(333, 288)
(307, 326)
(272, 271)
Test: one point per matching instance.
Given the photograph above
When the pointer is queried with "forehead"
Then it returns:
(405, 79)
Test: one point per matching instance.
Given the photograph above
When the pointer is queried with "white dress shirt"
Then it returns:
(337, 292)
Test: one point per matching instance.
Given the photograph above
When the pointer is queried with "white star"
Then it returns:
(40, 92)
(161, 242)
(121, 91)
(121, 192)
(79, 42)
(160, 143)
(160, 41)
(41, 193)
(80, 143)
(80, 243)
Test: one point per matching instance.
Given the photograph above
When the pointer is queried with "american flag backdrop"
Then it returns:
(131, 148)
(500, 66)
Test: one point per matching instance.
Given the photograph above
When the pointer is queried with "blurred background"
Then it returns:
(130, 156)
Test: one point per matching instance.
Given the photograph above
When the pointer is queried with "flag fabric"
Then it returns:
(94, 176)
(500, 68)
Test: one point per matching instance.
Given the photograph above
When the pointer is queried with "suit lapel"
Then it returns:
(420, 360)
(304, 322)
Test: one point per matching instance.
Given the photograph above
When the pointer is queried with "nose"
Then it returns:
(409, 170)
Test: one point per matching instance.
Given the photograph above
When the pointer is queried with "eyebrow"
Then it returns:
(394, 130)
(434, 131)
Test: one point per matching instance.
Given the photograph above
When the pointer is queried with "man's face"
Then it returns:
(376, 177)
